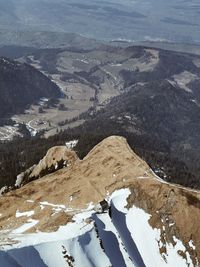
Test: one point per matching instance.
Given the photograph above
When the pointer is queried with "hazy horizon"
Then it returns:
(176, 21)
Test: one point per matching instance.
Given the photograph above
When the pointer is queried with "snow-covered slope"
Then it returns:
(118, 237)
(60, 220)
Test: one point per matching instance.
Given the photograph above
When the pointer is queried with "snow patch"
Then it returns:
(71, 230)
(191, 244)
(45, 203)
(30, 223)
(71, 144)
(19, 179)
(26, 213)
(30, 201)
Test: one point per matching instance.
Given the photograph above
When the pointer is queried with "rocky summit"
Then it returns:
(108, 209)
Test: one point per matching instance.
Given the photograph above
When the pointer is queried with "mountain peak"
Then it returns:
(110, 171)
(108, 166)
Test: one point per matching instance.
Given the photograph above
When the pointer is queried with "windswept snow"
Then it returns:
(135, 221)
(118, 238)
(69, 231)
(116, 252)
(30, 223)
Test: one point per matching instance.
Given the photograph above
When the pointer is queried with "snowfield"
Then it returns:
(118, 237)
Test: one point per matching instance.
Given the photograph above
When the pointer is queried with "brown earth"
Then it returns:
(109, 166)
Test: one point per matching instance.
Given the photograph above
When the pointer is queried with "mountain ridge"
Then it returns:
(53, 200)
(125, 91)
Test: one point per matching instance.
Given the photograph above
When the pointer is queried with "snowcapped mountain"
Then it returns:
(108, 209)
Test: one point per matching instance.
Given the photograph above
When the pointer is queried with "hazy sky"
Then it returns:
(175, 20)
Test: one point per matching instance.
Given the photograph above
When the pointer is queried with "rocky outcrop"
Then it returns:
(56, 158)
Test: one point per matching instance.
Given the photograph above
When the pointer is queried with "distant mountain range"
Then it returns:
(176, 21)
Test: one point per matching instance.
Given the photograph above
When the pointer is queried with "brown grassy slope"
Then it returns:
(109, 166)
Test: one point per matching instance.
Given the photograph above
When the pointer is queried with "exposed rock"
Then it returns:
(4, 190)
(56, 158)
(23, 177)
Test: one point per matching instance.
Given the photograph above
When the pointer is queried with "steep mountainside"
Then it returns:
(145, 221)
(22, 85)
(155, 117)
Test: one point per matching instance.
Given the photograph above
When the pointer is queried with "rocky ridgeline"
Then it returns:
(63, 192)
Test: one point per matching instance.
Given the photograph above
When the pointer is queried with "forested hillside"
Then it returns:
(22, 85)
(19, 156)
